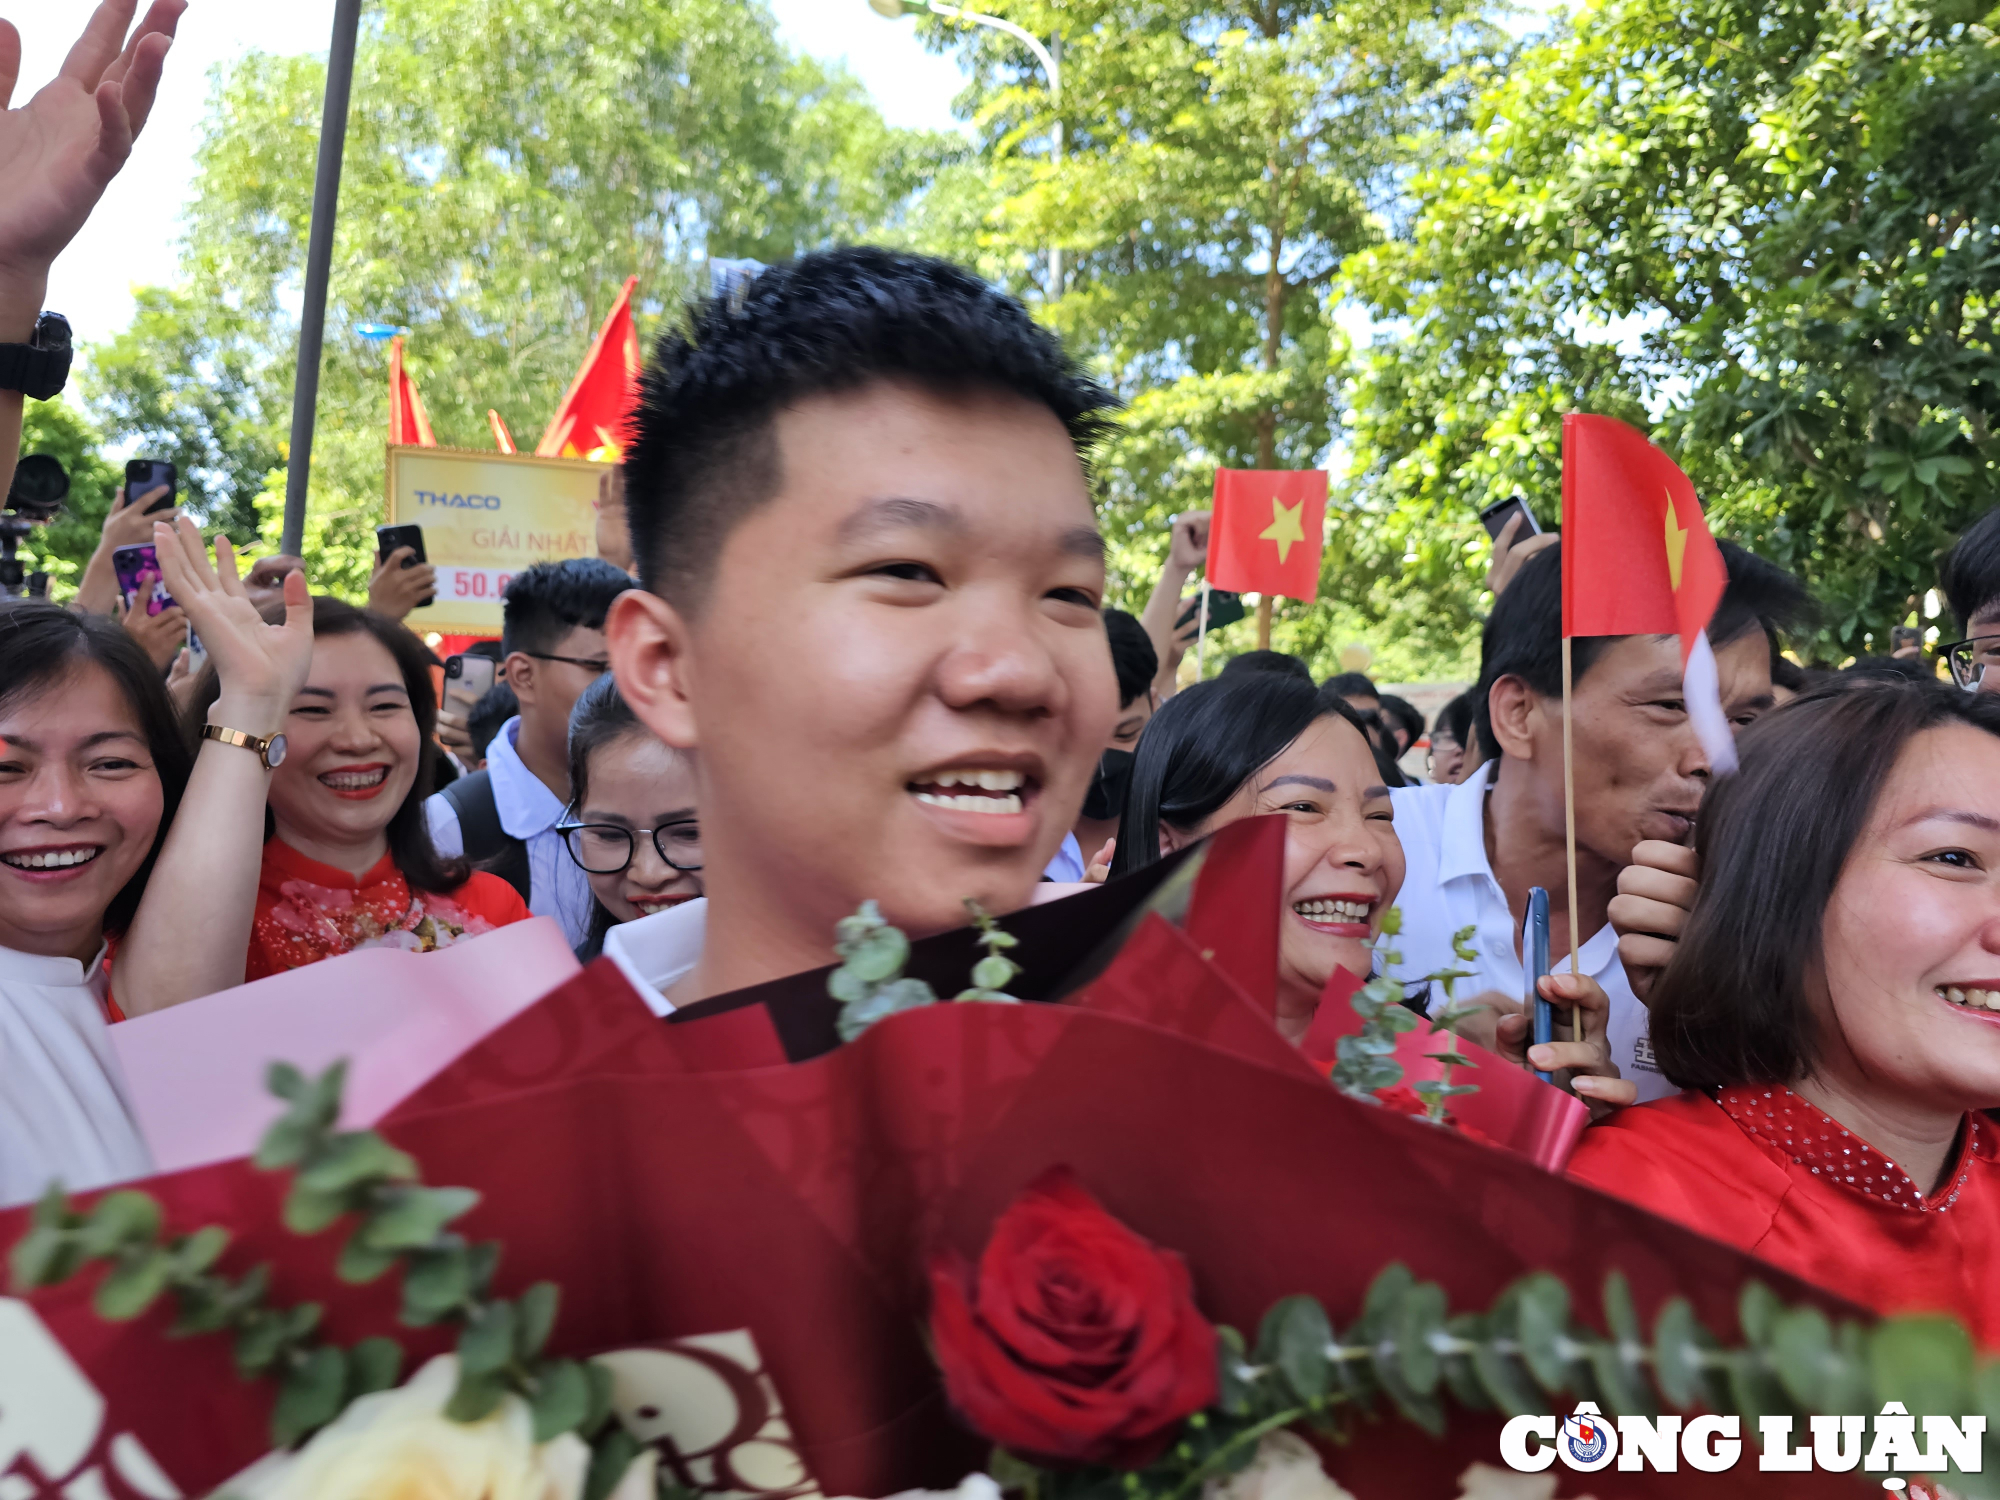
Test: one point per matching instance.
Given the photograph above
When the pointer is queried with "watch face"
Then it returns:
(274, 753)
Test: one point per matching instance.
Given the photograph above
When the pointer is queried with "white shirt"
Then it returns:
(1067, 867)
(1448, 885)
(655, 951)
(63, 1111)
(529, 811)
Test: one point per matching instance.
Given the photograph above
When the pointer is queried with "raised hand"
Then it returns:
(261, 667)
(395, 590)
(1511, 550)
(60, 150)
(1189, 548)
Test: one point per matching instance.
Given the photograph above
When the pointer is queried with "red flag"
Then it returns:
(502, 438)
(590, 423)
(1268, 529)
(408, 425)
(1637, 558)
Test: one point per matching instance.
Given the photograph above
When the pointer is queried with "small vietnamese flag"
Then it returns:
(1637, 558)
(408, 424)
(590, 422)
(502, 438)
(1267, 532)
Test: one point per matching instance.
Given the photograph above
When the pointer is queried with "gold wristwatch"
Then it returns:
(270, 748)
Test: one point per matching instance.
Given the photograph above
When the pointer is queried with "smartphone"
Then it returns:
(389, 538)
(1496, 517)
(134, 565)
(146, 474)
(1224, 608)
(1905, 637)
(1535, 961)
(467, 679)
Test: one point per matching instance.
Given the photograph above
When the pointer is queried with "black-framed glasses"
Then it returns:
(1969, 660)
(595, 664)
(607, 848)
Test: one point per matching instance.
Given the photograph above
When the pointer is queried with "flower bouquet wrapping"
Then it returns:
(827, 1213)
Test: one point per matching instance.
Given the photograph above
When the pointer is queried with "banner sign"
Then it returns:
(486, 517)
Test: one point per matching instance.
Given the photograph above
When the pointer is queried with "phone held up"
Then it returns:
(389, 538)
(1496, 516)
(1535, 960)
(467, 679)
(134, 565)
(1224, 608)
(144, 475)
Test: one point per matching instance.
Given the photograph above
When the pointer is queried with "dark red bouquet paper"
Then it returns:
(689, 1179)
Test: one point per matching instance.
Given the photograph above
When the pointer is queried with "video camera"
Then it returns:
(40, 486)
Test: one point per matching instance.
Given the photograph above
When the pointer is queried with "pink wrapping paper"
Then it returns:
(195, 1073)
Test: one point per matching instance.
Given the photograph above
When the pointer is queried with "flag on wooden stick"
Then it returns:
(502, 438)
(590, 422)
(1267, 531)
(1637, 559)
(409, 426)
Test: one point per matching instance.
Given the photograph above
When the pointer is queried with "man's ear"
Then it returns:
(649, 642)
(1517, 712)
(518, 672)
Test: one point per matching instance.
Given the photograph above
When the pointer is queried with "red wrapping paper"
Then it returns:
(683, 1180)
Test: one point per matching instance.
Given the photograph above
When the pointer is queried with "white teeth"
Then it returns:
(990, 781)
(1955, 995)
(347, 781)
(61, 859)
(1975, 999)
(1009, 804)
(1333, 911)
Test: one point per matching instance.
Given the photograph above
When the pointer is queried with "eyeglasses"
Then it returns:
(607, 848)
(1969, 659)
(595, 664)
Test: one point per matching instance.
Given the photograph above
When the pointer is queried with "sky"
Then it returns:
(131, 238)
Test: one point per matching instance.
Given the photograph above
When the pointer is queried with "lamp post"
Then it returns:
(1049, 57)
(319, 264)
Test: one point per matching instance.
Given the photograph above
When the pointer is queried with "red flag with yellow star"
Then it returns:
(409, 425)
(590, 423)
(1267, 531)
(1637, 558)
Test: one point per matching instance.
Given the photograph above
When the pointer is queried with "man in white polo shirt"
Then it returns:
(1474, 850)
(870, 589)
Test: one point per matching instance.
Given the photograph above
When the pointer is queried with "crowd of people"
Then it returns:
(847, 642)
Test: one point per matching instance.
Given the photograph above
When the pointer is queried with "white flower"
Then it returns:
(1285, 1468)
(1484, 1482)
(399, 1445)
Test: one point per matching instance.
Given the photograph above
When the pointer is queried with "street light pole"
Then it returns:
(1049, 58)
(319, 266)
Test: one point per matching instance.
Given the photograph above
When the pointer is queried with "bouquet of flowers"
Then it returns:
(790, 1264)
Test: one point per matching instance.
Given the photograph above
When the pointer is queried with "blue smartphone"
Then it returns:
(1535, 960)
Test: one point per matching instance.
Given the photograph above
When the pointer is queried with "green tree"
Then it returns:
(67, 434)
(1773, 230)
(509, 163)
(1222, 163)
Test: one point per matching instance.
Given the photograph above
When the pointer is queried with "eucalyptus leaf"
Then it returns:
(310, 1396)
(359, 1265)
(117, 1220)
(610, 1457)
(133, 1285)
(349, 1159)
(535, 1319)
(374, 1365)
(1925, 1362)
(1299, 1332)
(1801, 1353)
(414, 1216)
(1419, 1319)
(562, 1399)
(200, 1250)
(1544, 1324)
(1461, 1377)
(475, 1397)
(309, 1212)
(1235, 1392)
(486, 1344)
(878, 955)
(44, 1256)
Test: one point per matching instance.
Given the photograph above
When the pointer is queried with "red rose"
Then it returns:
(1076, 1342)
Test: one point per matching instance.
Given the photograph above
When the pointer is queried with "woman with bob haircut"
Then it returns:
(113, 838)
(1832, 1007)
(1268, 742)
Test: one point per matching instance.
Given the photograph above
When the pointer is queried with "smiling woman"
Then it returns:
(1828, 1007)
(90, 771)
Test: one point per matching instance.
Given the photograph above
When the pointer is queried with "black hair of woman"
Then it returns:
(41, 644)
(1205, 743)
(601, 717)
(1771, 842)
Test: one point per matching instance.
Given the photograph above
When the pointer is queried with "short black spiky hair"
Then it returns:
(549, 600)
(702, 451)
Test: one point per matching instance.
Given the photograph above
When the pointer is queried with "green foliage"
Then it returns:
(64, 431)
(1221, 163)
(508, 165)
(869, 982)
(1770, 227)
(1366, 1061)
(1529, 1354)
(397, 1221)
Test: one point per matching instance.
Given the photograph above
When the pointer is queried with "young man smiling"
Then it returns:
(871, 581)
(1474, 850)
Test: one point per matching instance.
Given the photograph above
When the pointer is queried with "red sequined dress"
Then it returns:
(1757, 1167)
